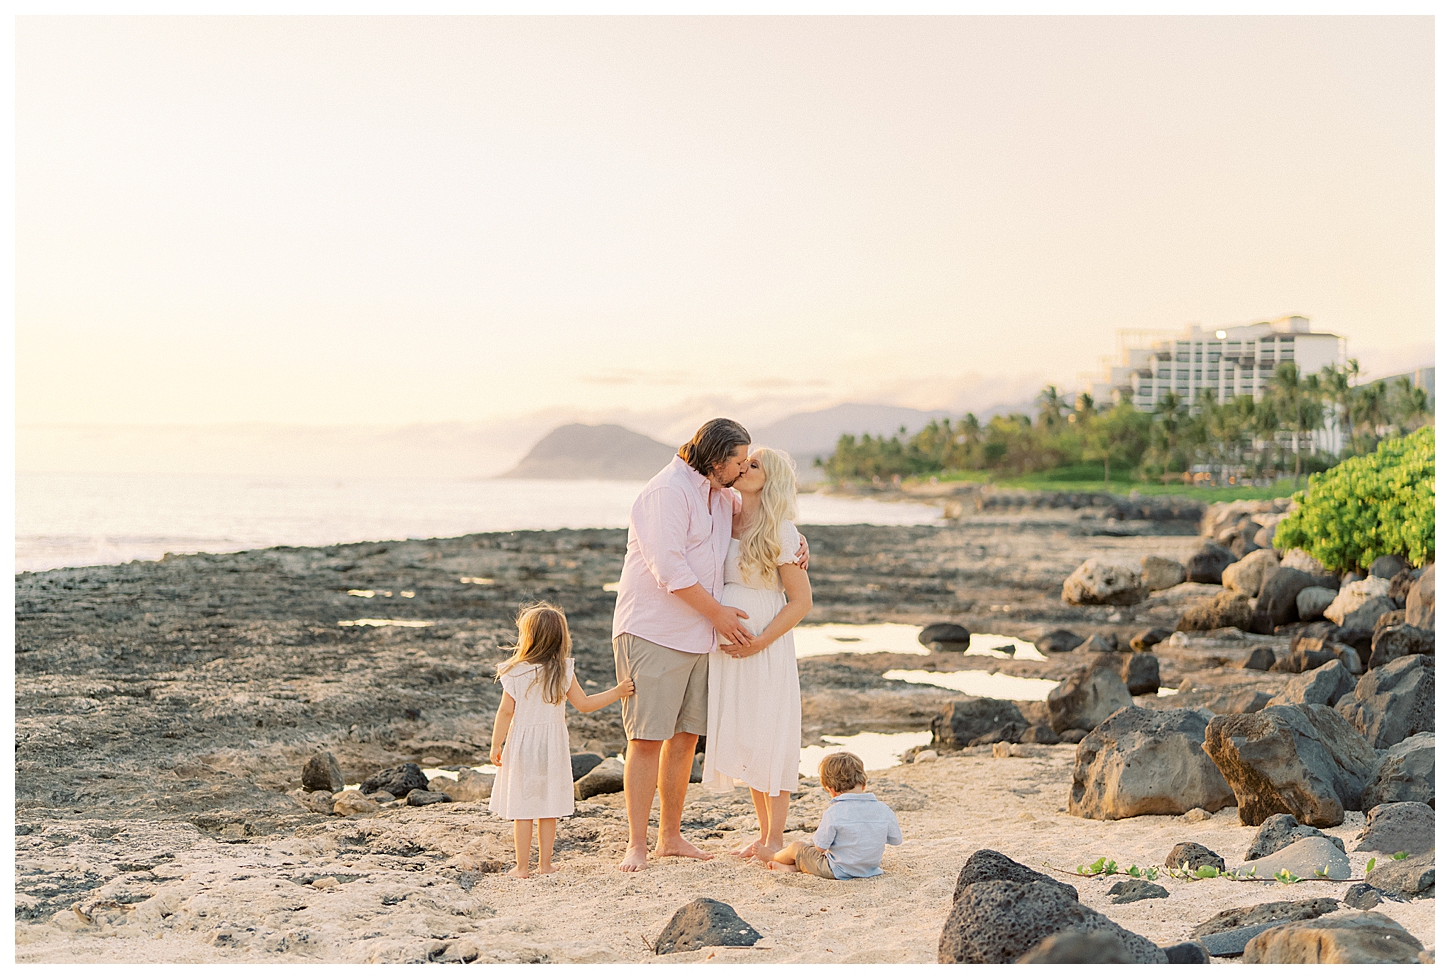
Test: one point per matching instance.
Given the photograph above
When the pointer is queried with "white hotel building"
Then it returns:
(1228, 360)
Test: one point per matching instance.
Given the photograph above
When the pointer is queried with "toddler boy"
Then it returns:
(854, 830)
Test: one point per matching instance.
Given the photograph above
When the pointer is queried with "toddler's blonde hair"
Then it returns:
(543, 641)
(842, 771)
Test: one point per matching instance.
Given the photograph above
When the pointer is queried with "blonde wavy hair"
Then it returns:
(543, 642)
(760, 542)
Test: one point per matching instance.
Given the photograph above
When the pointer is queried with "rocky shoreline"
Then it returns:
(165, 710)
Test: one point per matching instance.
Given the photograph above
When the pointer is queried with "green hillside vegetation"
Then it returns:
(1233, 449)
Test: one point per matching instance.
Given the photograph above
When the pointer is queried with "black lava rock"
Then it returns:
(397, 781)
(991, 865)
(704, 921)
(945, 636)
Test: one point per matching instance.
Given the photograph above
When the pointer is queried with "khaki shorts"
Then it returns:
(811, 859)
(669, 689)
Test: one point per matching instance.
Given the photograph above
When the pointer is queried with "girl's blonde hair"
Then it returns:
(543, 641)
(760, 542)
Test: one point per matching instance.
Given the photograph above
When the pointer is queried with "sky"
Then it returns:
(394, 221)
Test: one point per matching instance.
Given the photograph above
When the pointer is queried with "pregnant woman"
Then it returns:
(754, 720)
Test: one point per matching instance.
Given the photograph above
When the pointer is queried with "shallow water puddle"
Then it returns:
(980, 683)
(877, 751)
(896, 637)
(379, 623)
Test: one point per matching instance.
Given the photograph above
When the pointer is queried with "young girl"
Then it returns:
(530, 738)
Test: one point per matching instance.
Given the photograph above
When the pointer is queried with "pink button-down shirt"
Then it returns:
(679, 535)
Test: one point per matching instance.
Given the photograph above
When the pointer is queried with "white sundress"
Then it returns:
(535, 778)
(753, 729)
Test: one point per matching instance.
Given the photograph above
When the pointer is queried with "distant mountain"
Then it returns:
(810, 434)
(593, 452)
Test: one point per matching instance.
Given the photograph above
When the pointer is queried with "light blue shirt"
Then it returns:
(854, 831)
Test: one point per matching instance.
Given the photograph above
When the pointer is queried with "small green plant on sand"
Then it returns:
(1285, 876)
(1104, 866)
(1400, 856)
(1369, 866)
(1207, 872)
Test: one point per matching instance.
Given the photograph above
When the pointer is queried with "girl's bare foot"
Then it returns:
(548, 869)
(522, 873)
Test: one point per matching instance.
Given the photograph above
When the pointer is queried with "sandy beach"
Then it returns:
(165, 709)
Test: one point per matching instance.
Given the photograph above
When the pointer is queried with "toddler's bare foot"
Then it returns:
(783, 866)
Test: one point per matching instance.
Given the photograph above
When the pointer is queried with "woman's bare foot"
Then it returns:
(522, 873)
(681, 847)
(748, 850)
(548, 869)
(636, 858)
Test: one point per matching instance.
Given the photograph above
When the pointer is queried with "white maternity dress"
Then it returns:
(535, 777)
(753, 729)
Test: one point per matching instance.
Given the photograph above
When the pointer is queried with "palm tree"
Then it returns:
(1338, 386)
(1050, 405)
(1372, 407)
(1297, 402)
(1409, 405)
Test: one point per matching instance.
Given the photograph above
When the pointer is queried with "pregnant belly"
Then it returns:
(761, 603)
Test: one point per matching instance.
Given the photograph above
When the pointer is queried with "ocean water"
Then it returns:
(81, 520)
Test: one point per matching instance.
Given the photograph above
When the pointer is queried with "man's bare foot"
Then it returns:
(748, 850)
(522, 873)
(636, 858)
(681, 847)
(548, 869)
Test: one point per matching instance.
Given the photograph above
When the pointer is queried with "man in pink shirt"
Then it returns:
(667, 617)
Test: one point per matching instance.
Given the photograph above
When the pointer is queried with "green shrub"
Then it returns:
(1370, 506)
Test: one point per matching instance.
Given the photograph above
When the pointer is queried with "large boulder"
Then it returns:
(1357, 626)
(962, 722)
(322, 773)
(1096, 582)
(1142, 762)
(1303, 759)
(1312, 601)
(1085, 699)
(1363, 937)
(1161, 572)
(1140, 673)
(396, 781)
(1394, 637)
(1281, 830)
(1308, 858)
(1226, 933)
(1386, 566)
(985, 865)
(1227, 609)
(1279, 596)
(1354, 595)
(605, 778)
(1405, 774)
(998, 921)
(1393, 702)
(1398, 827)
(1207, 565)
(1404, 879)
(1420, 601)
(1301, 560)
(702, 923)
(1323, 685)
(584, 762)
(1247, 574)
